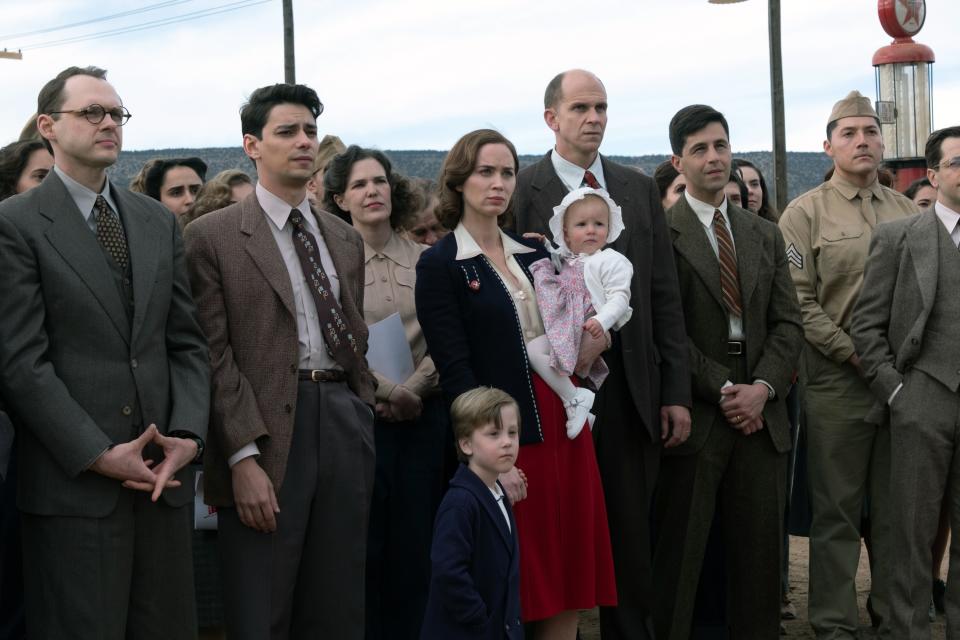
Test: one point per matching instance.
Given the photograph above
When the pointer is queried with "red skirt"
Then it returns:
(565, 558)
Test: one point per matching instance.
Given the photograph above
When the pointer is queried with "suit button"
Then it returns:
(383, 278)
(287, 408)
(134, 364)
(914, 341)
(126, 410)
(126, 281)
(293, 368)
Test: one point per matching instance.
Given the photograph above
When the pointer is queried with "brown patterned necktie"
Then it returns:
(591, 180)
(729, 280)
(110, 233)
(340, 341)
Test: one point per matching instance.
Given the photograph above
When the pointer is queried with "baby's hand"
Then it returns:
(539, 237)
(593, 327)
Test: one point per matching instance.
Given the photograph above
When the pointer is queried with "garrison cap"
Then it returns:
(329, 147)
(854, 104)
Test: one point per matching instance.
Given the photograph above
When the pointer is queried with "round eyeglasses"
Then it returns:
(95, 114)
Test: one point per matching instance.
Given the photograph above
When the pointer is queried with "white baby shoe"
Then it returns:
(578, 409)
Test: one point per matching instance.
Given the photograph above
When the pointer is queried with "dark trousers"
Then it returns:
(629, 460)
(406, 493)
(128, 575)
(306, 579)
(11, 558)
(745, 478)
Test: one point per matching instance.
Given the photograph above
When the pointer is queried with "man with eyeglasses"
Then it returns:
(827, 231)
(105, 370)
(905, 329)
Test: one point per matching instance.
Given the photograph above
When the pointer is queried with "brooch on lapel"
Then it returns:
(471, 276)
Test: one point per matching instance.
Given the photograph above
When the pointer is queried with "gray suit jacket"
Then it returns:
(653, 342)
(72, 364)
(771, 317)
(247, 311)
(899, 289)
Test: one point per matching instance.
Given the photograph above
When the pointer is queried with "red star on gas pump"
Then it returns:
(911, 11)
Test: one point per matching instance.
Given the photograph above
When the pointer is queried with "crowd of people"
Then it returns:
(593, 397)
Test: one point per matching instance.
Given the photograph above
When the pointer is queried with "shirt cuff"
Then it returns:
(773, 392)
(894, 394)
(725, 385)
(245, 452)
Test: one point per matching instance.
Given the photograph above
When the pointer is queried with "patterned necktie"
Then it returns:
(729, 281)
(110, 233)
(341, 344)
(866, 207)
(591, 180)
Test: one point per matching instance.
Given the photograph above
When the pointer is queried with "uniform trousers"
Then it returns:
(848, 460)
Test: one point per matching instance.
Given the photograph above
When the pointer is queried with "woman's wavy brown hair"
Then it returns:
(459, 165)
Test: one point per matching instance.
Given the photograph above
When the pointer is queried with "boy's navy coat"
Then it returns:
(475, 586)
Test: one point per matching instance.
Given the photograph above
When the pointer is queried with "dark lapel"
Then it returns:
(345, 256)
(72, 238)
(745, 228)
(923, 242)
(472, 483)
(264, 251)
(690, 241)
(141, 227)
(548, 191)
(618, 183)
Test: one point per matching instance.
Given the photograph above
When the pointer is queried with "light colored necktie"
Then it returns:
(729, 280)
(866, 207)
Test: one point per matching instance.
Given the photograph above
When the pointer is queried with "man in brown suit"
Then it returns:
(290, 464)
(744, 333)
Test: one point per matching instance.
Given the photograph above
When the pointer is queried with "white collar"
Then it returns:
(705, 211)
(572, 175)
(947, 216)
(278, 211)
(467, 247)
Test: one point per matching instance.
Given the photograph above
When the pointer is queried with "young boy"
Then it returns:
(475, 586)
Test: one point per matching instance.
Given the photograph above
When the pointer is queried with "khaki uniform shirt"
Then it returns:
(828, 233)
(389, 281)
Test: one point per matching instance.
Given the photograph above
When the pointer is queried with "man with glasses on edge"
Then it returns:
(105, 371)
(905, 328)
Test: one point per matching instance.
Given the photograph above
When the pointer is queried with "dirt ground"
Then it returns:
(799, 628)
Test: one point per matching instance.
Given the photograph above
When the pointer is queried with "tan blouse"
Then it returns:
(389, 281)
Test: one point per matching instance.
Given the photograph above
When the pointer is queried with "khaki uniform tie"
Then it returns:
(866, 207)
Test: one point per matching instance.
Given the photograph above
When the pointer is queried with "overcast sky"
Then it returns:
(417, 74)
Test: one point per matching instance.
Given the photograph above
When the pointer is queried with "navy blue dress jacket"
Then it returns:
(472, 329)
(475, 585)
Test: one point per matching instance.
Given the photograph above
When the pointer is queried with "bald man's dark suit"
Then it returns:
(745, 475)
(648, 369)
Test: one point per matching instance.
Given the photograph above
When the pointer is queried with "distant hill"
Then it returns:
(805, 169)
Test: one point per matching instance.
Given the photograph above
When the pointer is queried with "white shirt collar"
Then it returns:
(947, 216)
(705, 211)
(572, 175)
(467, 247)
(278, 211)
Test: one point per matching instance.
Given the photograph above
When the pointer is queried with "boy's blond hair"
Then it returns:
(476, 408)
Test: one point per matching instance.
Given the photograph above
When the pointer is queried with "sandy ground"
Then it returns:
(799, 628)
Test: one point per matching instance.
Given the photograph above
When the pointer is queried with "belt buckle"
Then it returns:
(734, 348)
(316, 375)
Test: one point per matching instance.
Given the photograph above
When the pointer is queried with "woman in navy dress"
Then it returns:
(477, 306)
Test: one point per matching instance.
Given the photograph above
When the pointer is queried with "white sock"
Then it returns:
(538, 352)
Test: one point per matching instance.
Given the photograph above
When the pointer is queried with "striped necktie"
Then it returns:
(729, 280)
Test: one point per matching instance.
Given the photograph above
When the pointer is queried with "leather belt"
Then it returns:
(322, 375)
(736, 348)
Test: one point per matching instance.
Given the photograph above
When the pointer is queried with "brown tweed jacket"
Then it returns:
(247, 311)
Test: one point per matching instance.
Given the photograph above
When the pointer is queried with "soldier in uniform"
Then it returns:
(828, 231)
